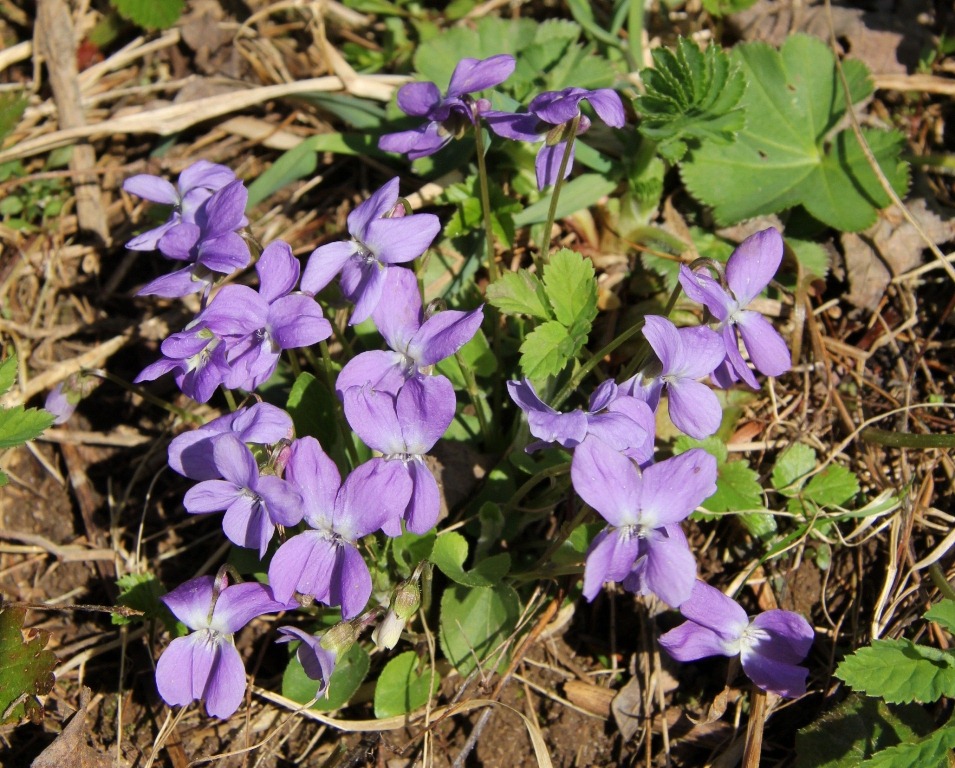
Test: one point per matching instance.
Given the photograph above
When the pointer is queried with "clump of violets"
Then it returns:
(382, 235)
(447, 116)
(205, 664)
(749, 269)
(552, 119)
(770, 645)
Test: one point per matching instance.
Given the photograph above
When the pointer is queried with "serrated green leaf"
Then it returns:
(26, 668)
(785, 156)
(933, 751)
(141, 591)
(404, 685)
(19, 424)
(474, 621)
(712, 445)
(409, 549)
(833, 486)
(8, 374)
(519, 293)
(900, 671)
(571, 288)
(350, 671)
(813, 258)
(546, 350)
(943, 613)
(737, 488)
(793, 464)
(691, 96)
(855, 730)
(150, 14)
(451, 550)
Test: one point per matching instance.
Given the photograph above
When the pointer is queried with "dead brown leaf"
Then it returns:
(71, 747)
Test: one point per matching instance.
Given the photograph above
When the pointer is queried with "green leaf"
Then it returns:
(571, 288)
(474, 621)
(302, 161)
(12, 107)
(313, 410)
(794, 464)
(451, 550)
(833, 486)
(403, 685)
(737, 488)
(150, 14)
(519, 293)
(578, 193)
(785, 155)
(142, 591)
(8, 374)
(856, 729)
(26, 668)
(546, 350)
(943, 613)
(933, 751)
(350, 671)
(19, 424)
(409, 549)
(900, 671)
(691, 96)
(726, 7)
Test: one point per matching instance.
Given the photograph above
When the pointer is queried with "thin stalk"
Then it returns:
(940, 582)
(906, 439)
(555, 471)
(587, 367)
(492, 272)
(147, 396)
(230, 399)
(635, 34)
(640, 356)
(544, 255)
(347, 437)
(474, 393)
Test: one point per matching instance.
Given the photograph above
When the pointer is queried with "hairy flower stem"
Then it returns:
(348, 439)
(102, 373)
(544, 256)
(906, 439)
(571, 386)
(474, 393)
(492, 272)
(643, 348)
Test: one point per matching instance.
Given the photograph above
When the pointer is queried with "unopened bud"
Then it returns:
(340, 638)
(407, 600)
(388, 632)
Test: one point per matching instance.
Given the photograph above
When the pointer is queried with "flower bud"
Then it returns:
(340, 638)
(404, 604)
(407, 600)
(388, 632)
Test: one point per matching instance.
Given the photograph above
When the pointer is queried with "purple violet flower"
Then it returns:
(417, 342)
(684, 355)
(198, 354)
(549, 118)
(324, 562)
(282, 320)
(618, 421)
(770, 646)
(208, 246)
(642, 509)
(196, 185)
(404, 429)
(450, 116)
(381, 236)
(254, 504)
(206, 664)
(190, 454)
(749, 269)
(317, 661)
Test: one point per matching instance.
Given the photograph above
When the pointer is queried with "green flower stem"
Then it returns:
(492, 272)
(474, 393)
(348, 439)
(584, 369)
(555, 471)
(230, 399)
(544, 256)
(294, 364)
(906, 439)
(940, 582)
(635, 35)
(643, 349)
(102, 373)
